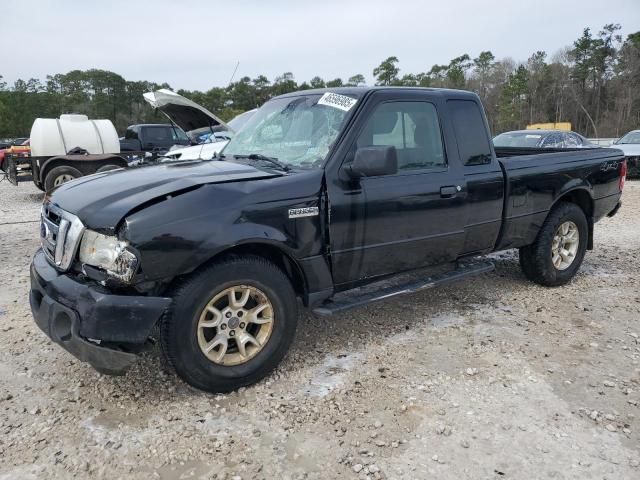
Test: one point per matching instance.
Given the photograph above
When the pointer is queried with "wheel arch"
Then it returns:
(270, 252)
(581, 197)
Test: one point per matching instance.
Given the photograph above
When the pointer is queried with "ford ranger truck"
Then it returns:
(329, 199)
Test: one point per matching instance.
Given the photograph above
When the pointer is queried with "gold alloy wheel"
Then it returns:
(235, 325)
(565, 245)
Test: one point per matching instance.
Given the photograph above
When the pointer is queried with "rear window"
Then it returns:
(471, 133)
(158, 134)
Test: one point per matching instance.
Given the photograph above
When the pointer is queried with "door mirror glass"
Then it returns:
(374, 162)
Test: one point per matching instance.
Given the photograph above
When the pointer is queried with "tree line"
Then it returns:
(594, 84)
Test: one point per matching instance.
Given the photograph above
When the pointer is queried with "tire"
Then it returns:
(181, 337)
(107, 167)
(59, 175)
(537, 259)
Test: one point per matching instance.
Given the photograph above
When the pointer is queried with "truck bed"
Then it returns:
(536, 178)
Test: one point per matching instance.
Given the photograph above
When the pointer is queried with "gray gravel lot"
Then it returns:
(490, 378)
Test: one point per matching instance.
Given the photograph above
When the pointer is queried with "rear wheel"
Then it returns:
(556, 255)
(230, 324)
(59, 175)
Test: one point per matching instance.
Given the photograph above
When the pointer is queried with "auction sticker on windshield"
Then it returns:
(337, 101)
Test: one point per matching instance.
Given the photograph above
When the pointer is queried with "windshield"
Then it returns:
(631, 137)
(297, 131)
(517, 139)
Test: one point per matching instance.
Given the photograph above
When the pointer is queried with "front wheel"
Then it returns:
(556, 255)
(229, 325)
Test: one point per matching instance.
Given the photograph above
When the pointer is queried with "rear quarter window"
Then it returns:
(131, 134)
(471, 133)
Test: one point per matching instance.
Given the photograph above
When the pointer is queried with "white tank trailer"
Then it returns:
(58, 136)
(72, 146)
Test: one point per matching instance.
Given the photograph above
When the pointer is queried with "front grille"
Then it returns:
(60, 235)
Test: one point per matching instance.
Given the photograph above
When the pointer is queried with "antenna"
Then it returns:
(234, 72)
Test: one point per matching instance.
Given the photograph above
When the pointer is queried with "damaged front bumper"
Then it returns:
(94, 325)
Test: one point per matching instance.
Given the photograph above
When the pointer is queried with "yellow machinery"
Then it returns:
(562, 126)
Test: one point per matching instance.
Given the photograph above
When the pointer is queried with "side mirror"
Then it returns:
(374, 162)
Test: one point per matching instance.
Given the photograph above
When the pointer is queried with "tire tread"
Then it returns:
(535, 260)
(183, 289)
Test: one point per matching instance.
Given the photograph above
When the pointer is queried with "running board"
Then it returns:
(331, 307)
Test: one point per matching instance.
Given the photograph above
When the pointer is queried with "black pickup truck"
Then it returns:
(152, 138)
(326, 198)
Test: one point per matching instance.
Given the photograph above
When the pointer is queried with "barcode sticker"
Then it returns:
(337, 101)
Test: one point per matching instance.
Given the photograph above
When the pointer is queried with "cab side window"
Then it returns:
(412, 128)
(471, 132)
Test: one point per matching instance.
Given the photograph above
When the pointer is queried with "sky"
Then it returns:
(196, 44)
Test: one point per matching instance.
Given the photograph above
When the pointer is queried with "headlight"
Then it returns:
(109, 254)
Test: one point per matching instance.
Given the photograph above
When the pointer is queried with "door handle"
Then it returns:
(449, 191)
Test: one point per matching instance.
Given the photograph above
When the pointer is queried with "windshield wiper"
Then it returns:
(264, 158)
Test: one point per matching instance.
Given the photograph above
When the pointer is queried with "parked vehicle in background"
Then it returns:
(214, 144)
(152, 137)
(8, 142)
(192, 118)
(630, 146)
(65, 148)
(321, 192)
(191, 125)
(542, 139)
(602, 142)
(21, 150)
(205, 135)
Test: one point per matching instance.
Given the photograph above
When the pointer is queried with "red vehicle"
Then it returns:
(22, 150)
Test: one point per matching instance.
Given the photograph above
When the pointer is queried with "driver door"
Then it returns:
(413, 218)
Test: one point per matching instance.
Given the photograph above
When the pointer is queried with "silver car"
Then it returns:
(542, 139)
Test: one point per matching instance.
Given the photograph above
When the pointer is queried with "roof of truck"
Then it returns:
(361, 91)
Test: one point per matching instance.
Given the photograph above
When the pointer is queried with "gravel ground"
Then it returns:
(489, 378)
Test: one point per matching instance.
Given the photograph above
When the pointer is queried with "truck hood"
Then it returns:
(629, 149)
(183, 112)
(102, 200)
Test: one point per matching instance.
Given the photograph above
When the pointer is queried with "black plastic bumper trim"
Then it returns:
(615, 210)
(71, 313)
